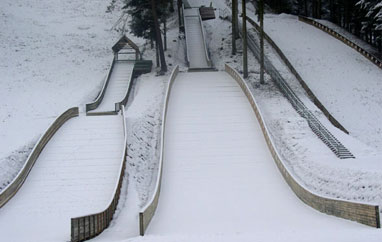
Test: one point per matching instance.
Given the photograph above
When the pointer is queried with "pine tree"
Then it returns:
(145, 16)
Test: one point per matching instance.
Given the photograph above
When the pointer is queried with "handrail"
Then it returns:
(89, 226)
(9, 191)
(185, 37)
(96, 103)
(310, 93)
(364, 213)
(342, 38)
(147, 212)
(204, 40)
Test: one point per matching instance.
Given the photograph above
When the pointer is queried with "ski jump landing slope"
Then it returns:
(117, 87)
(196, 48)
(219, 178)
(74, 175)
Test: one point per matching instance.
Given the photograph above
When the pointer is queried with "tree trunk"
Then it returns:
(158, 37)
(157, 54)
(306, 7)
(234, 25)
(165, 33)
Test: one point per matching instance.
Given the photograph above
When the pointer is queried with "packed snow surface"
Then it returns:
(194, 37)
(219, 179)
(75, 175)
(347, 83)
(116, 89)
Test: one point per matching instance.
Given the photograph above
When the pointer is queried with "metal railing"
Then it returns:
(147, 212)
(89, 226)
(324, 134)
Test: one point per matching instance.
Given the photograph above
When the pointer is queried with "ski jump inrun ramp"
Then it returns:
(197, 54)
(219, 177)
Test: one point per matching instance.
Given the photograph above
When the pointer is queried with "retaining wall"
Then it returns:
(342, 38)
(147, 213)
(367, 214)
(91, 225)
(18, 181)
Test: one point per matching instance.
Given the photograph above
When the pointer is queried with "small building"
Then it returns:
(125, 48)
(207, 13)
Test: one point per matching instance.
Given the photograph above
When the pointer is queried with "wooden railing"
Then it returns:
(9, 191)
(96, 103)
(147, 213)
(342, 38)
(89, 226)
(367, 214)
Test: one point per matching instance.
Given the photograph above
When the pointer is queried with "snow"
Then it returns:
(54, 55)
(74, 175)
(220, 182)
(346, 83)
(117, 87)
(369, 48)
(194, 38)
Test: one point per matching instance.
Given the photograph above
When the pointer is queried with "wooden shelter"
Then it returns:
(126, 47)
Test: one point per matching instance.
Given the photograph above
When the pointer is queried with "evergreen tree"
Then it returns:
(145, 16)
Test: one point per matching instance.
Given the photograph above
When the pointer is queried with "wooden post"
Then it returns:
(245, 48)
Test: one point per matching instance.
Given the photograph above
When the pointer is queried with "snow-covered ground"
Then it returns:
(369, 48)
(348, 84)
(54, 55)
(75, 175)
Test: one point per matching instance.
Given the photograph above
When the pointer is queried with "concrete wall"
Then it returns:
(13, 187)
(363, 213)
(147, 213)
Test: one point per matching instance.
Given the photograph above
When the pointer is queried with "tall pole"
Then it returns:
(261, 15)
(234, 25)
(245, 58)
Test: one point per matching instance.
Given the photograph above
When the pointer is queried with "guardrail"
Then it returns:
(204, 40)
(364, 213)
(147, 212)
(342, 38)
(324, 134)
(89, 226)
(96, 103)
(310, 93)
(9, 191)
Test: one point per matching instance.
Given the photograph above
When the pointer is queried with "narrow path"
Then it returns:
(194, 37)
(74, 175)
